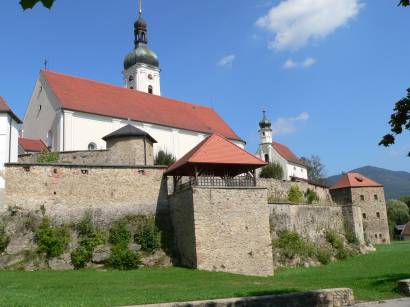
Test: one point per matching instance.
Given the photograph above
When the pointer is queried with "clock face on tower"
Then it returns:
(150, 77)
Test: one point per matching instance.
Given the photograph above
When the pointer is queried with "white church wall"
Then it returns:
(41, 114)
(143, 77)
(8, 145)
(297, 171)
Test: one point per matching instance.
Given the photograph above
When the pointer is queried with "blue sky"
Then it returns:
(327, 71)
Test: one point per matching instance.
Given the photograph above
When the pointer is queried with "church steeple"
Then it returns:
(141, 66)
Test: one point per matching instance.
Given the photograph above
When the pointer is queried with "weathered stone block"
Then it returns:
(404, 287)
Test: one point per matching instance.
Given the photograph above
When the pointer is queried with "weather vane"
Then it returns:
(140, 7)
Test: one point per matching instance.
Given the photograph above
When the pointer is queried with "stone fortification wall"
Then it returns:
(231, 229)
(66, 191)
(130, 151)
(84, 157)
(312, 221)
(279, 189)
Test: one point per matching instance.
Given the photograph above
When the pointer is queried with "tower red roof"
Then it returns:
(94, 97)
(218, 153)
(355, 180)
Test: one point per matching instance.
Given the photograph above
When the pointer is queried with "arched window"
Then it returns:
(150, 89)
(92, 146)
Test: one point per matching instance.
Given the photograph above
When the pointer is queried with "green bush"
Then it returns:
(324, 255)
(342, 254)
(148, 235)
(406, 200)
(51, 240)
(350, 235)
(291, 245)
(397, 213)
(334, 239)
(4, 239)
(273, 170)
(80, 257)
(164, 158)
(311, 196)
(295, 195)
(123, 259)
(48, 157)
(120, 235)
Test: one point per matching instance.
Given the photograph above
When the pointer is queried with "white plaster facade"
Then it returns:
(143, 78)
(66, 130)
(9, 134)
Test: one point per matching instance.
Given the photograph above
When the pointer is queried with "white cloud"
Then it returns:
(290, 63)
(288, 125)
(295, 23)
(227, 61)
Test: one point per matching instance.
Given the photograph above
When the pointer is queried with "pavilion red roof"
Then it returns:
(217, 153)
(286, 153)
(355, 180)
(94, 97)
(4, 108)
(30, 145)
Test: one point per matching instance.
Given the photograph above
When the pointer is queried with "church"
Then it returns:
(70, 113)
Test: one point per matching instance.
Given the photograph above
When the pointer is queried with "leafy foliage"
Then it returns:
(400, 119)
(164, 158)
(51, 240)
(404, 2)
(291, 245)
(273, 170)
(4, 239)
(334, 239)
(120, 235)
(29, 4)
(324, 255)
(148, 235)
(80, 257)
(350, 235)
(48, 157)
(315, 168)
(295, 195)
(123, 259)
(397, 213)
(406, 200)
(311, 196)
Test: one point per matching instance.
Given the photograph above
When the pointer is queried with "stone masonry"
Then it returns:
(372, 202)
(223, 229)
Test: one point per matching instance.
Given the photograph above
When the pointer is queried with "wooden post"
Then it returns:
(253, 172)
(196, 174)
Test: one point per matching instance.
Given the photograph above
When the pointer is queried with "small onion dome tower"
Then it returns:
(130, 146)
(265, 131)
(141, 65)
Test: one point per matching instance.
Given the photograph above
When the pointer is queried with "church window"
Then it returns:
(131, 78)
(376, 197)
(131, 87)
(92, 146)
(150, 89)
(364, 215)
(378, 214)
(266, 158)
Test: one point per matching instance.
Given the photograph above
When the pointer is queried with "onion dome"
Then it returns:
(265, 122)
(141, 54)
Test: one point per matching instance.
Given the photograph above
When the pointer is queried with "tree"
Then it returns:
(164, 158)
(399, 120)
(273, 170)
(397, 213)
(406, 200)
(404, 2)
(29, 4)
(315, 168)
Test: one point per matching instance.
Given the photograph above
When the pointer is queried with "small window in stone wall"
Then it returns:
(376, 197)
(380, 235)
(364, 215)
(362, 197)
(378, 214)
(375, 235)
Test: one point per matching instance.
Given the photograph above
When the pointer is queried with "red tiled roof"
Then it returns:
(286, 153)
(406, 230)
(355, 180)
(93, 97)
(30, 145)
(4, 108)
(216, 150)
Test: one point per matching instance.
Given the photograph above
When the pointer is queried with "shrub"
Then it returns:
(295, 195)
(273, 170)
(342, 254)
(80, 257)
(4, 239)
(148, 235)
(311, 196)
(51, 240)
(120, 235)
(334, 239)
(406, 200)
(324, 255)
(291, 245)
(48, 157)
(397, 212)
(123, 259)
(164, 158)
(350, 235)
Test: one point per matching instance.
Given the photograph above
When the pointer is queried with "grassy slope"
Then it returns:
(372, 276)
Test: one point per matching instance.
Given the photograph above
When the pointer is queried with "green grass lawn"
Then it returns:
(372, 277)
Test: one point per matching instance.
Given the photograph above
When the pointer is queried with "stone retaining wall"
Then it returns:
(320, 298)
(66, 191)
(279, 189)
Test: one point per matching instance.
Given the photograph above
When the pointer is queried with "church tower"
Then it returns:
(265, 139)
(141, 66)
